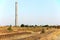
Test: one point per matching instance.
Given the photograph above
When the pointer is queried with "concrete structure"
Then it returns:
(16, 12)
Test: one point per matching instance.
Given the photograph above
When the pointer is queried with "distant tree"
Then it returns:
(26, 26)
(35, 25)
(22, 25)
(46, 26)
(31, 26)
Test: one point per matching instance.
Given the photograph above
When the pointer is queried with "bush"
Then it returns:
(42, 31)
(9, 28)
(47, 28)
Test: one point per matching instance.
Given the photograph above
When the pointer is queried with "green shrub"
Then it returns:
(9, 28)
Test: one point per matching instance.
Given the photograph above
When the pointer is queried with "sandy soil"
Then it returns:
(50, 34)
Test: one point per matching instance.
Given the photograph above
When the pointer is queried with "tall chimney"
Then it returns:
(16, 12)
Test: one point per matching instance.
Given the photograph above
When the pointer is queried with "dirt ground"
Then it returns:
(19, 33)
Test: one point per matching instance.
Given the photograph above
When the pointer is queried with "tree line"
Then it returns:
(53, 26)
(22, 25)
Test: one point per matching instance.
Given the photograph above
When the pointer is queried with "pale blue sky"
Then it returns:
(30, 12)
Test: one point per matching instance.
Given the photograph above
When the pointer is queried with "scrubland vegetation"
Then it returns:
(27, 30)
(34, 28)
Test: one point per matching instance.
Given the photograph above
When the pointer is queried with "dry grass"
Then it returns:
(4, 30)
(23, 29)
